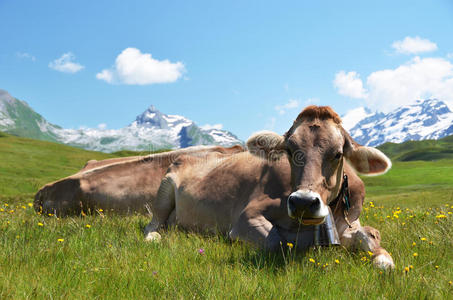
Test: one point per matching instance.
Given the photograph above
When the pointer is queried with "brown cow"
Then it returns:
(276, 193)
(121, 185)
(91, 164)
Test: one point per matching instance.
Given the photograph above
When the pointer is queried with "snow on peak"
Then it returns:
(354, 116)
(153, 118)
(425, 119)
(151, 130)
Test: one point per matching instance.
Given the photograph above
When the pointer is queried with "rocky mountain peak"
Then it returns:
(425, 119)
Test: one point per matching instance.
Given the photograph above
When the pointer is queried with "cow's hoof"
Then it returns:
(154, 237)
(384, 262)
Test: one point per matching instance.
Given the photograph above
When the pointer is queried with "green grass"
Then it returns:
(124, 153)
(427, 150)
(27, 164)
(111, 260)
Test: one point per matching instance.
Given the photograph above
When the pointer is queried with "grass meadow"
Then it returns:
(106, 257)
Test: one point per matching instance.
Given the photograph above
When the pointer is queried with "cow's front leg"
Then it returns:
(163, 209)
(257, 231)
(367, 239)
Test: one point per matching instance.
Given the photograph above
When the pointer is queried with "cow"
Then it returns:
(119, 185)
(277, 192)
(93, 163)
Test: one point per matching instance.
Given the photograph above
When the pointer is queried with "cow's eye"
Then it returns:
(338, 155)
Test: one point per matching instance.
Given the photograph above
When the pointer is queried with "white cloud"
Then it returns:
(25, 55)
(450, 55)
(312, 101)
(291, 104)
(136, 68)
(102, 126)
(416, 79)
(66, 64)
(414, 45)
(349, 85)
(209, 126)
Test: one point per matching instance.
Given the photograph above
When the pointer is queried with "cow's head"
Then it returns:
(317, 146)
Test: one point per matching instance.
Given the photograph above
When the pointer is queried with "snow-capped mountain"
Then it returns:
(425, 119)
(151, 130)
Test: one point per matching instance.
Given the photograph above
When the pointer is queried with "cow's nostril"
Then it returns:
(316, 204)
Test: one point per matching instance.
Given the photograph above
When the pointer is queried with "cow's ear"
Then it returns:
(267, 144)
(366, 160)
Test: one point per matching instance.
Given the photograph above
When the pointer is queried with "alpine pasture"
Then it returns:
(105, 256)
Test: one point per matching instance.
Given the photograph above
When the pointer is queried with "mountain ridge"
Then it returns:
(423, 120)
(151, 130)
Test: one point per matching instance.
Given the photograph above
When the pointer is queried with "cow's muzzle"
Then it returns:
(307, 207)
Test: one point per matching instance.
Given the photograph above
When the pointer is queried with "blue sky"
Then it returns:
(248, 65)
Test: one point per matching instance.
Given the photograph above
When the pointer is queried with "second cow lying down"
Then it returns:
(275, 193)
(119, 185)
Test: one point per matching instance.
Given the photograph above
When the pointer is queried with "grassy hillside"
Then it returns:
(428, 150)
(124, 153)
(26, 121)
(27, 164)
(106, 257)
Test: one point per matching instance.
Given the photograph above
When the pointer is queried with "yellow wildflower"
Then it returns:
(40, 224)
(101, 210)
(60, 240)
(290, 245)
(415, 254)
(30, 204)
(441, 216)
(423, 239)
(414, 243)
(370, 253)
(437, 267)
(450, 282)
(311, 260)
(1, 209)
(337, 261)
(88, 226)
(411, 267)
(406, 269)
